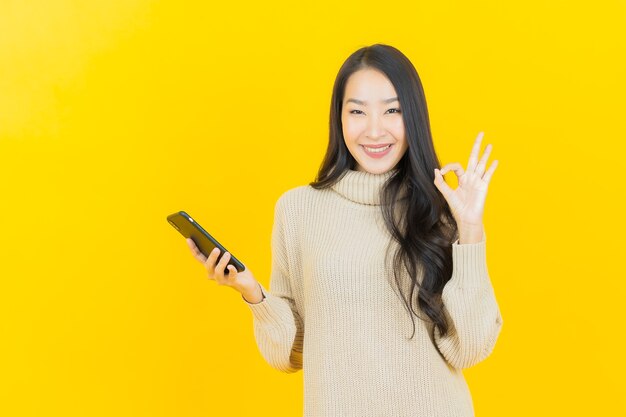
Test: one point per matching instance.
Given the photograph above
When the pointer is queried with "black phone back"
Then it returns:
(189, 228)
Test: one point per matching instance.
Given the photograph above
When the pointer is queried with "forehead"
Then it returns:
(368, 84)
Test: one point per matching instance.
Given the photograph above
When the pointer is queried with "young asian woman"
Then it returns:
(376, 241)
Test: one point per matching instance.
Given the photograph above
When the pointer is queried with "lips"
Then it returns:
(377, 146)
(377, 153)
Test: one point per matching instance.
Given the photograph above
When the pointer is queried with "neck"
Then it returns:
(362, 187)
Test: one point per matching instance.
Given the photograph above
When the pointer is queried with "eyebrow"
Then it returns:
(362, 103)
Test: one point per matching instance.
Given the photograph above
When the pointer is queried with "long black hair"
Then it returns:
(415, 212)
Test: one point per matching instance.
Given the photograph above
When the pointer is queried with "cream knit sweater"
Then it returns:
(329, 276)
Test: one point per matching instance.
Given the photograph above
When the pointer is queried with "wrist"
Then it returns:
(470, 233)
(254, 294)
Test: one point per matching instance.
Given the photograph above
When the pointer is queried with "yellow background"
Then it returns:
(116, 113)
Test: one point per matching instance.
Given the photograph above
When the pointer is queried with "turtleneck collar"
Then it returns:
(362, 187)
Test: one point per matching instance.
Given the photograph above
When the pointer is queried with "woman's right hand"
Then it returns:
(243, 282)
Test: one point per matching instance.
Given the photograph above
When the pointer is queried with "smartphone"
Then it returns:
(190, 228)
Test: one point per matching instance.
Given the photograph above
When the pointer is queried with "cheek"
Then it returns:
(397, 127)
(351, 130)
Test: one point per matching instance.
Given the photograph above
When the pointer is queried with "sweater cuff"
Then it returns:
(469, 265)
(262, 311)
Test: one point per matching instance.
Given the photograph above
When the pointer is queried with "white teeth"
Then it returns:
(377, 150)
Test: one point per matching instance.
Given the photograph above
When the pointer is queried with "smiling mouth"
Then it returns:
(377, 150)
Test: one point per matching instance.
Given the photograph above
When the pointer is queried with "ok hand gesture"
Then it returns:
(467, 201)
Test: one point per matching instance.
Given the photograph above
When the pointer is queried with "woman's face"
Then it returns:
(372, 121)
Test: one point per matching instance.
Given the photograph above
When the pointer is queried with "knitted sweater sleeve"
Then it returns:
(470, 307)
(278, 326)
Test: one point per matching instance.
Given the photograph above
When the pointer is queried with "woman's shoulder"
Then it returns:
(300, 197)
(298, 194)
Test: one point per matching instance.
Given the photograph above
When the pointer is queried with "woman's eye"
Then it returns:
(360, 112)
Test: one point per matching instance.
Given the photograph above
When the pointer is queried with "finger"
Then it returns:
(453, 166)
(489, 173)
(228, 271)
(219, 268)
(442, 185)
(473, 159)
(232, 272)
(210, 262)
(480, 168)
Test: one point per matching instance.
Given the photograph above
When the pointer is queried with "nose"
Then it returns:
(375, 128)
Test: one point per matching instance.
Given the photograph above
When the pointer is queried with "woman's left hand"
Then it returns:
(467, 201)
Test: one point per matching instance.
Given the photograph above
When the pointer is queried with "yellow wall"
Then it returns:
(116, 113)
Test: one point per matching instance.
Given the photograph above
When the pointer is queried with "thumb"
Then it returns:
(441, 184)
